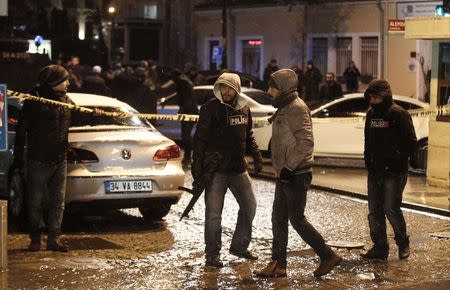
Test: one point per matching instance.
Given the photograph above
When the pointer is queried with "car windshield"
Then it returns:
(89, 120)
(260, 96)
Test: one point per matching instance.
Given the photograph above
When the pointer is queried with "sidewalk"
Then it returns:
(353, 182)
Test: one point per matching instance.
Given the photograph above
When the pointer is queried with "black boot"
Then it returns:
(214, 262)
(377, 252)
(53, 244)
(403, 249)
(35, 244)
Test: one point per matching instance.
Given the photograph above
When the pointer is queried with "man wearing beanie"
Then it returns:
(225, 130)
(46, 130)
(389, 140)
(292, 158)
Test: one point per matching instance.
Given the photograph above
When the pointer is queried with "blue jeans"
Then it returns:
(289, 205)
(385, 190)
(46, 182)
(241, 187)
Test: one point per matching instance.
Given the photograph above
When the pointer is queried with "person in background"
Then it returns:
(351, 76)
(270, 69)
(330, 89)
(313, 78)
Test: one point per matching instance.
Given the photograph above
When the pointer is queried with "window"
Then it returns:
(80, 119)
(151, 11)
(320, 53)
(345, 109)
(369, 56)
(343, 54)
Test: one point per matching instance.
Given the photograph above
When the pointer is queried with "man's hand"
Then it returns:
(286, 175)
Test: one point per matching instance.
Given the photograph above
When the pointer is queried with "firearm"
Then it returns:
(210, 166)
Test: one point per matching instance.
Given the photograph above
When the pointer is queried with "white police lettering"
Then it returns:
(238, 120)
(379, 123)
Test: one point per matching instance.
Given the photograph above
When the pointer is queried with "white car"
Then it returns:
(257, 100)
(336, 137)
(116, 162)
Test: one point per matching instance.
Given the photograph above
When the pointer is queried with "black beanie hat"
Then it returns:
(378, 88)
(52, 75)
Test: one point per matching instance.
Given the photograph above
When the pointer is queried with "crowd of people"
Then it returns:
(311, 86)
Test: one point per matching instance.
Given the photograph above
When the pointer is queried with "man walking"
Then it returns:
(390, 140)
(225, 129)
(292, 158)
(46, 128)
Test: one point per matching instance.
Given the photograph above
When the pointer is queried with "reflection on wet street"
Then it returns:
(119, 250)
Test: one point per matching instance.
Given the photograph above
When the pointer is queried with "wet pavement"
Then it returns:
(119, 250)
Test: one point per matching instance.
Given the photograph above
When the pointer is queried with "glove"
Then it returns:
(286, 175)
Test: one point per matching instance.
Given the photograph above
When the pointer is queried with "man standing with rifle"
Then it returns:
(223, 136)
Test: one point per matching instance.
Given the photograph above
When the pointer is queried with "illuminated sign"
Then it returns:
(255, 42)
(396, 25)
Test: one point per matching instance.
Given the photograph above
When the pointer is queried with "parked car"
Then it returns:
(258, 101)
(112, 162)
(335, 138)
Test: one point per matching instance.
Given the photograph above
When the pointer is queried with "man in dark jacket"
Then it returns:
(270, 69)
(390, 140)
(351, 76)
(292, 157)
(46, 129)
(187, 105)
(330, 89)
(313, 77)
(225, 129)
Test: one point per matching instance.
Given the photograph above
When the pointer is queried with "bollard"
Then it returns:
(3, 235)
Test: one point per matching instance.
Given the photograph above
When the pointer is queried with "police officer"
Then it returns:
(225, 129)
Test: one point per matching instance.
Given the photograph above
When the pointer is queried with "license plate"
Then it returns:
(128, 186)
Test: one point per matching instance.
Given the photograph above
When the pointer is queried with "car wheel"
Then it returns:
(155, 212)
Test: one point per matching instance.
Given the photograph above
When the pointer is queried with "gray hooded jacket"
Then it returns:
(292, 137)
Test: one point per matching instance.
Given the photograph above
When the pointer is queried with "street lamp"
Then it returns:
(112, 12)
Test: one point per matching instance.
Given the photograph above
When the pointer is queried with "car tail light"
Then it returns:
(171, 152)
(75, 155)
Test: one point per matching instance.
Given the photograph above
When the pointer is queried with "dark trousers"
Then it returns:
(385, 192)
(46, 182)
(240, 186)
(186, 138)
(289, 204)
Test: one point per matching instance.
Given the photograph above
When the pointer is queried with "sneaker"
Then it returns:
(244, 254)
(57, 247)
(376, 253)
(403, 252)
(326, 265)
(214, 262)
(35, 245)
(272, 270)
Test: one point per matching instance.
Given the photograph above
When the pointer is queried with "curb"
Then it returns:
(405, 204)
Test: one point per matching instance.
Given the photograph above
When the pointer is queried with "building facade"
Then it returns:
(332, 33)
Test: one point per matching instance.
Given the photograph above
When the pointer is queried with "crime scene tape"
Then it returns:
(360, 117)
